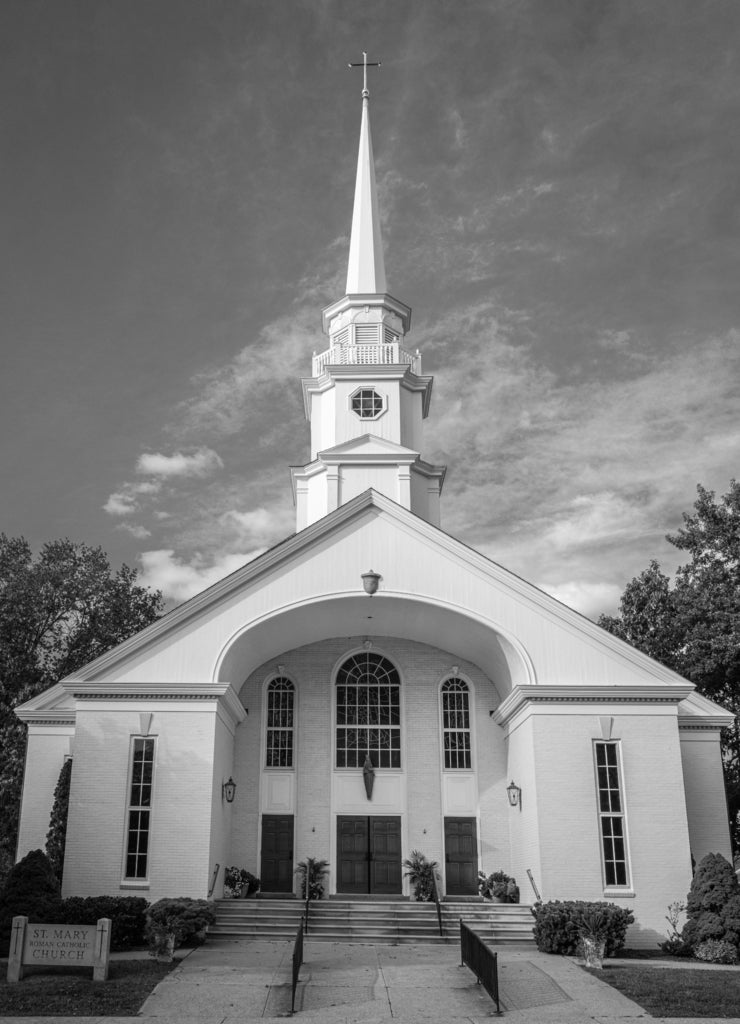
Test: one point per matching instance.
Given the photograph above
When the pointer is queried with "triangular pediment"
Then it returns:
(434, 589)
(369, 445)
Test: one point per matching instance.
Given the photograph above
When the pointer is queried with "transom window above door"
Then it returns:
(368, 712)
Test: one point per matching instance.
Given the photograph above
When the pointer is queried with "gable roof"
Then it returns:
(325, 532)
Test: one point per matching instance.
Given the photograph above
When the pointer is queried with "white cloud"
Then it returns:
(590, 599)
(202, 462)
(140, 532)
(261, 526)
(180, 580)
(575, 482)
(120, 504)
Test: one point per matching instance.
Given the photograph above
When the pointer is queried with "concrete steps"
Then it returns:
(375, 921)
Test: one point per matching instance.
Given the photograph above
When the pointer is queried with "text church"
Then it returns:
(372, 686)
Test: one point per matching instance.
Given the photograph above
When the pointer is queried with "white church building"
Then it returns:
(499, 728)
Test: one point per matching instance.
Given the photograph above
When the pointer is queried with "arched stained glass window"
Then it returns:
(280, 707)
(368, 712)
(456, 723)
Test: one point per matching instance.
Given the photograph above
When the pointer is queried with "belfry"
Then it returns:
(366, 398)
(371, 687)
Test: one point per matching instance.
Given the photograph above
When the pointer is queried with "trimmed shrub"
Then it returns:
(183, 917)
(713, 903)
(716, 951)
(127, 915)
(560, 923)
(31, 889)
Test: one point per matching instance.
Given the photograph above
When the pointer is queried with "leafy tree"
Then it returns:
(56, 837)
(57, 612)
(693, 626)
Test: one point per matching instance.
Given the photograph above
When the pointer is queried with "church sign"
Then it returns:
(59, 945)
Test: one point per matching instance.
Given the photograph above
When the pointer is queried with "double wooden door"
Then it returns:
(369, 854)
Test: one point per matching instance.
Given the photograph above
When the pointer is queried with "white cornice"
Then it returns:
(521, 696)
(113, 690)
(687, 723)
(62, 717)
(384, 300)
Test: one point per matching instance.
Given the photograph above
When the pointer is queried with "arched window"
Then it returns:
(368, 712)
(280, 705)
(456, 723)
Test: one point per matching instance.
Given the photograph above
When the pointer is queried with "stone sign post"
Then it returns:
(59, 945)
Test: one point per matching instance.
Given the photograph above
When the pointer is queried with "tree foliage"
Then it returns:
(30, 889)
(693, 625)
(58, 612)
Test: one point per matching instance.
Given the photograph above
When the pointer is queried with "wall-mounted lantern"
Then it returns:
(515, 794)
(370, 582)
(228, 791)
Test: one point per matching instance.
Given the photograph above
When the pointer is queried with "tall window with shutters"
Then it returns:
(280, 716)
(139, 810)
(611, 814)
(456, 723)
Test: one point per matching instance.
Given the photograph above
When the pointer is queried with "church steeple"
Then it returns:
(366, 397)
(366, 269)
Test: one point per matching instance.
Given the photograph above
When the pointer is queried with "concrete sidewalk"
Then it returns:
(235, 981)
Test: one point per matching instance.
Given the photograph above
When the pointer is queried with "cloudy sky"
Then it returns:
(560, 194)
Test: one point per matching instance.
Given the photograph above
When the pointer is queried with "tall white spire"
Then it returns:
(366, 268)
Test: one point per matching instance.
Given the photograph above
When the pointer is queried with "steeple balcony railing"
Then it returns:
(366, 355)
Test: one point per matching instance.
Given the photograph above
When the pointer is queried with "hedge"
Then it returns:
(559, 922)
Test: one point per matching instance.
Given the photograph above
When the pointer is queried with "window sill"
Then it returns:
(625, 894)
(134, 885)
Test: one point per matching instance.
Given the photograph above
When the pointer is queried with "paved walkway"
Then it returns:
(237, 981)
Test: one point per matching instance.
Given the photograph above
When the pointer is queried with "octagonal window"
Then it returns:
(367, 403)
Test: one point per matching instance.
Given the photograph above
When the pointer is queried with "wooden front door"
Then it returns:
(368, 854)
(461, 856)
(276, 873)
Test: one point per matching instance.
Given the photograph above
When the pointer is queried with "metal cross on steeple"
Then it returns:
(365, 65)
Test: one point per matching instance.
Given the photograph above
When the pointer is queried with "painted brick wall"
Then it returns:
(47, 748)
(655, 813)
(422, 668)
(181, 815)
(705, 799)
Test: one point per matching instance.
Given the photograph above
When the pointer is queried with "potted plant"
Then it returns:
(593, 932)
(240, 883)
(498, 887)
(420, 873)
(312, 872)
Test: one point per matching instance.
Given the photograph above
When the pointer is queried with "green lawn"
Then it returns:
(677, 991)
(67, 995)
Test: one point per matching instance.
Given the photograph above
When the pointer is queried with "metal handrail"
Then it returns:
(213, 880)
(306, 911)
(297, 961)
(531, 882)
(436, 900)
(481, 960)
